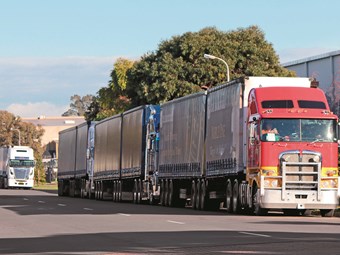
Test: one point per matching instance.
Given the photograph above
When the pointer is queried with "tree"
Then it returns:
(112, 99)
(30, 135)
(79, 105)
(177, 67)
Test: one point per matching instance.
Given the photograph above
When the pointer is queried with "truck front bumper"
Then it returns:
(299, 199)
(20, 183)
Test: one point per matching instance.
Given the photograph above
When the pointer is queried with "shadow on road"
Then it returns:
(190, 242)
(39, 203)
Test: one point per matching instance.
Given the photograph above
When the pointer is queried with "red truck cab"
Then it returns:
(292, 160)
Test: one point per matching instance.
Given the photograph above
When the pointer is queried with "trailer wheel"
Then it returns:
(170, 193)
(228, 196)
(139, 191)
(193, 194)
(114, 191)
(99, 190)
(198, 195)
(120, 191)
(95, 190)
(203, 202)
(134, 192)
(60, 188)
(166, 192)
(82, 188)
(327, 212)
(162, 197)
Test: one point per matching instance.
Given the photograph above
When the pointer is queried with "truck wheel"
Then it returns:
(256, 203)
(95, 190)
(101, 191)
(82, 188)
(170, 193)
(198, 195)
(166, 192)
(139, 191)
(228, 196)
(327, 212)
(114, 191)
(162, 193)
(120, 191)
(235, 203)
(203, 204)
(60, 189)
(193, 194)
(134, 199)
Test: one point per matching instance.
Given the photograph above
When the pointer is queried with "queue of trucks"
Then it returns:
(16, 167)
(211, 149)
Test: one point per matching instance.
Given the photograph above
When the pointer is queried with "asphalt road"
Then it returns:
(37, 222)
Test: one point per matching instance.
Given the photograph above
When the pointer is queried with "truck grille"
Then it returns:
(21, 173)
(300, 170)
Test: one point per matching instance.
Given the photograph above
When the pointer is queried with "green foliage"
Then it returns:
(112, 99)
(178, 68)
(39, 171)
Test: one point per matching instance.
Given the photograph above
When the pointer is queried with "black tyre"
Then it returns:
(170, 193)
(193, 194)
(228, 196)
(235, 203)
(203, 195)
(327, 212)
(198, 195)
(258, 210)
(162, 194)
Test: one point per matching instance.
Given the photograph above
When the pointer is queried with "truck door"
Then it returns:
(253, 145)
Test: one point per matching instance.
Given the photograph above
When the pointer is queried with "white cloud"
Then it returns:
(26, 82)
(36, 109)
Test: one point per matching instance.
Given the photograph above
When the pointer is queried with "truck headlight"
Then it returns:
(329, 183)
(271, 183)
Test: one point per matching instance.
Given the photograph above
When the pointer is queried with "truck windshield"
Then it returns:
(300, 130)
(21, 162)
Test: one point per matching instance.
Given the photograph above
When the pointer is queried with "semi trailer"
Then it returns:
(124, 156)
(216, 148)
(239, 165)
(75, 162)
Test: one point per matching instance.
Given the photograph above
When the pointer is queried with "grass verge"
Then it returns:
(46, 186)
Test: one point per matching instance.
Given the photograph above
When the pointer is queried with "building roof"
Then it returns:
(53, 125)
(317, 57)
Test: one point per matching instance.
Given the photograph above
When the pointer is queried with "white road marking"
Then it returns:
(26, 199)
(88, 209)
(176, 222)
(41, 202)
(124, 214)
(253, 234)
(61, 204)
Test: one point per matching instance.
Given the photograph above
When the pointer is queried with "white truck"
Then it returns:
(16, 167)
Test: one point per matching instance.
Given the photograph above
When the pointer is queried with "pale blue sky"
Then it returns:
(50, 50)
